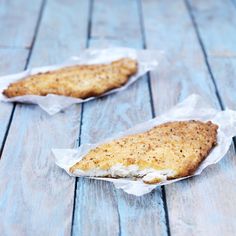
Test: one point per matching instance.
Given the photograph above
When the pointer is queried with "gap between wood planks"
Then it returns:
(206, 57)
(90, 10)
(42, 7)
(138, 2)
(204, 52)
(163, 192)
(150, 90)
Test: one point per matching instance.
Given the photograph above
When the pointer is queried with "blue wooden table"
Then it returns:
(38, 198)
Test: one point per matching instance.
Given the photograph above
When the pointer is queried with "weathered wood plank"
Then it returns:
(219, 43)
(196, 206)
(143, 215)
(12, 62)
(36, 196)
(14, 44)
(216, 22)
(62, 31)
(95, 210)
(224, 71)
(123, 213)
(220, 49)
(18, 20)
(185, 70)
(123, 19)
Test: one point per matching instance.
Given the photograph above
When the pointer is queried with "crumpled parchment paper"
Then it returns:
(193, 108)
(147, 60)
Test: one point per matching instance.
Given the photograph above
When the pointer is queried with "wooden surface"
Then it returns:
(193, 194)
(36, 197)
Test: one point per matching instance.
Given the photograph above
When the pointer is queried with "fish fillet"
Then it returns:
(167, 151)
(80, 81)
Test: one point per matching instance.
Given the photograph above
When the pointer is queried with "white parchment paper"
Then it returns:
(193, 108)
(147, 60)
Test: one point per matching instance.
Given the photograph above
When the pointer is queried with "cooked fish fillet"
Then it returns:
(167, 151)
(80, 81)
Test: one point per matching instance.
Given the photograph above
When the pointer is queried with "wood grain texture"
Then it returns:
(17, 31)
(143, 215)
(12, 62)
(197, 206)
(106, 116)
(123, 17)
(224, 71)
(216, 22)
(37, 196)
(62, 33)
(184, 66)
(219, 44)
(96, 209)
(220, 48)
(18, 20)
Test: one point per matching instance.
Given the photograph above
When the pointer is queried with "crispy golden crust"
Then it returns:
(81, 81)
(178, 146)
